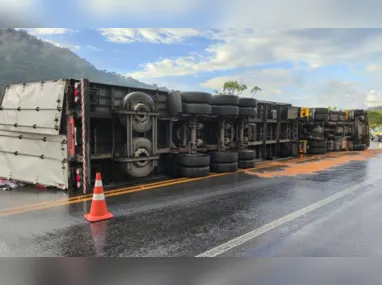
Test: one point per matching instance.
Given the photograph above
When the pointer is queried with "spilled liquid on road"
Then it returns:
(313, 166)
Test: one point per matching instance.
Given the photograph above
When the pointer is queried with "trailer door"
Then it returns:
(32, 149)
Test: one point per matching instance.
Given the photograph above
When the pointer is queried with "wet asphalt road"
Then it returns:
(191, 218)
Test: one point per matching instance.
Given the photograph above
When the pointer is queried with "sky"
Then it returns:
(311, 53)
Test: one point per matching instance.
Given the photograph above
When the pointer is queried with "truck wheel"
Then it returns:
(359, 147)
(142, 148)
(174, 103)
(246, 154)
(193, 160)
(246, 164)
(318, 144)
(317, 150)
(224, 157)
(141, 102)
(321, 117)
(323, 111)
(197, 109)
(247, 102)
(225, 110)
(193, 172)
(252, 112)
(196, 97)
(230, 100)
(224, 167)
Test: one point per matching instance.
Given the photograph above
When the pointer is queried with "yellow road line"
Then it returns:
(80, 197)
(117, 192)
(85, 196)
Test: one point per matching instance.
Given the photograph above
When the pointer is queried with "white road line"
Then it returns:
(272, 225)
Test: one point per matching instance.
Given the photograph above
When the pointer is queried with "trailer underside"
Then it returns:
(130, 134)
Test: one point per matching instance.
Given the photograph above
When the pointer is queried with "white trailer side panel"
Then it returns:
(28, 166)
(47, 96)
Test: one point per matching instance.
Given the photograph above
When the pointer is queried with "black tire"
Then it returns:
(196, 109)
(246, 164)
(316, 150)
(318, 144)
(359, 147)
(140, 169)
(230, 100)
(224, 157)
(138, 101)
(323, 111)
(247, 154)
(174, 103)
(321, 117)
(194, 172)
(251, 112)
(224, 167)
(193, 160)
(196, 97)
(225, 110)
(247, 102)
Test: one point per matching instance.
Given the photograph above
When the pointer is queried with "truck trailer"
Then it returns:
(59, 133)
(322, 130)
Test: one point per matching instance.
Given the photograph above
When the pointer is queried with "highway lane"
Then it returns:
(192, 218)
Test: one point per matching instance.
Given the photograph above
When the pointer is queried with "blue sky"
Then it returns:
(304, 67)
(285, 55)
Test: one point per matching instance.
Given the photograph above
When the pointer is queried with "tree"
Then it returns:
(233, 87)
(255, 90)
(332, 108)
(375, 119)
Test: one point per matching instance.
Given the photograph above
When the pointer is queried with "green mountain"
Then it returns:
(25, 58)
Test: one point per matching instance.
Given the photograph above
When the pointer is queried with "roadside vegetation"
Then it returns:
(233, 87)
(375, 118)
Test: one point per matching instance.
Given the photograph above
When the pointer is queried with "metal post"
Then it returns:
(155, 139)
(265, 130)
(85, 113)
(241, 134)
(129, 139)
(222, 135)
(193, 127)
(278, 129)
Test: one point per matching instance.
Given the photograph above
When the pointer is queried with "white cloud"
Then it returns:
(373, 98)
(271, 81)
(300, 14)
(374, 68)
(285, 86)
(60, 45)
(49, 31)
(237, 48)
(343, 94)
(242, 13)
(93, 48)
(152, 35)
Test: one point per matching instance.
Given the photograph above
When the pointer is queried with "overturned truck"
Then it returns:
(322, 130)
(60, 133)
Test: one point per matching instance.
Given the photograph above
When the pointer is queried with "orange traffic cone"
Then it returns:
(98, 209)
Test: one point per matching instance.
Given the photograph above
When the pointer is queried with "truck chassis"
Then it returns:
(61, 132)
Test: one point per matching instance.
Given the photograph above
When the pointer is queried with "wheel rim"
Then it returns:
(141, 107)
(141, 152)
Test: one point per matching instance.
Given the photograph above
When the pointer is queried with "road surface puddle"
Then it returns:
(313, 166)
